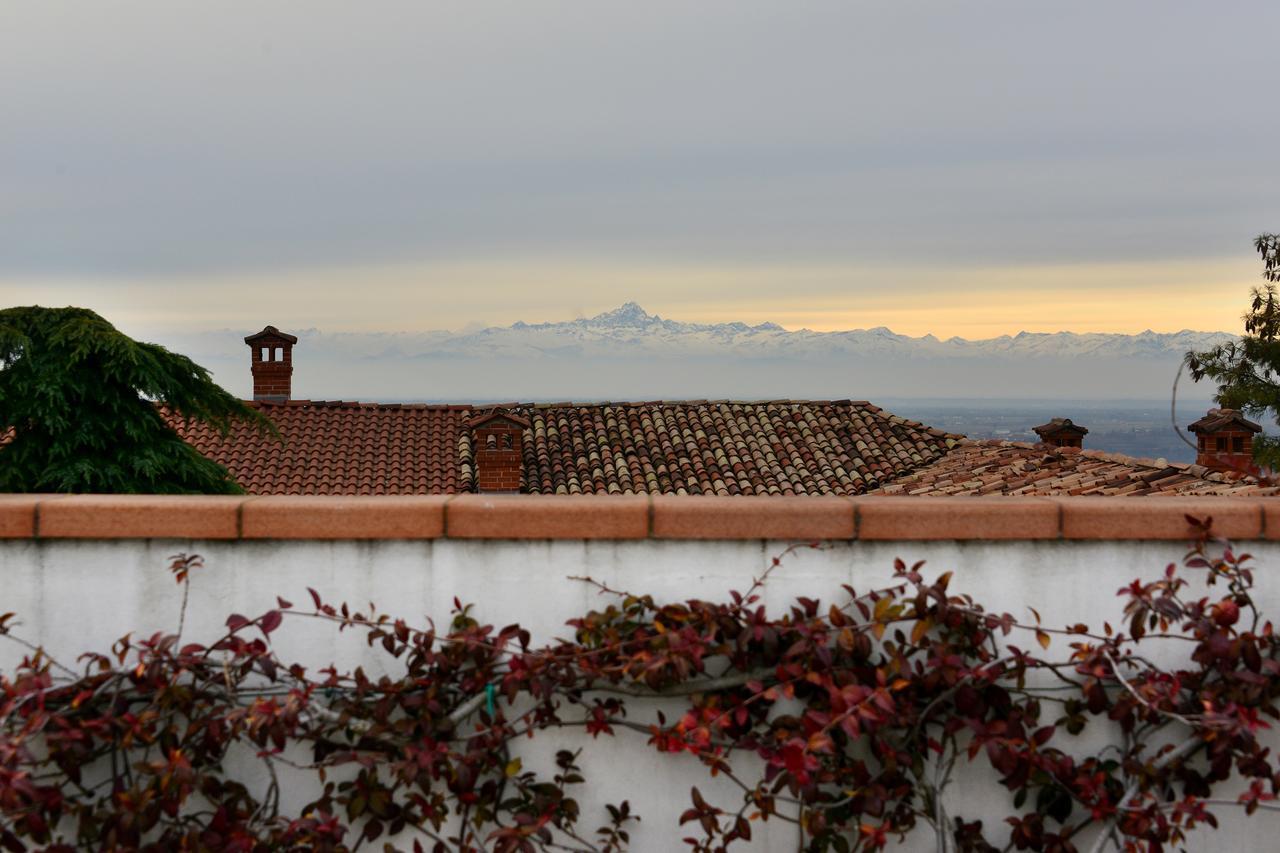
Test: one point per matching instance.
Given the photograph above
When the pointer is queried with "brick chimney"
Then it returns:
(272, 354)
(497, 447)
(1061, 432)
(1225, 441)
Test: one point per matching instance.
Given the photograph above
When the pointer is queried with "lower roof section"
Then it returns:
(993, 467)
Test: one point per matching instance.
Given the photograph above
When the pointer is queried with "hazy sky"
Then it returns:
(968, 168)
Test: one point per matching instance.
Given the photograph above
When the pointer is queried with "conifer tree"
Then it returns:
(1248, 370)
(79, 407)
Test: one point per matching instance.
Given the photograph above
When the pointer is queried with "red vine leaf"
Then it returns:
(270, 621)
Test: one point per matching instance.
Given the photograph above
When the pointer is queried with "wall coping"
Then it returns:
(629, 517)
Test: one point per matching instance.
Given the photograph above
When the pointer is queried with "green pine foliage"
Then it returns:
(1248, 370)
(79, 401)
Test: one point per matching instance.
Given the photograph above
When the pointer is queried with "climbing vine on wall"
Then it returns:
(857, 716)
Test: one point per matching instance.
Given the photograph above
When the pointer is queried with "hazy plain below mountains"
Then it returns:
(629, 354)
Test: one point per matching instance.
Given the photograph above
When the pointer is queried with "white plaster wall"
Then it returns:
(71, 596)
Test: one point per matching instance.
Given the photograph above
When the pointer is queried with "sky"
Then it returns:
(969, 169)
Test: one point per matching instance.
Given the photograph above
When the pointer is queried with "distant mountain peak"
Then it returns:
(629, 314)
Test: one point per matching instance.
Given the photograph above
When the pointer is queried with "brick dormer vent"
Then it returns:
(497, 442)
(272, 364)
(1224, 441)
(1061, 432)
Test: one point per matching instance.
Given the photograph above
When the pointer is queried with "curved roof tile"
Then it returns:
(1016, 468)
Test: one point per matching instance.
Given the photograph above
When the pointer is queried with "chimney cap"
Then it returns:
(270, 333)
(1219, 419)
(498, 414)
(1060, 426)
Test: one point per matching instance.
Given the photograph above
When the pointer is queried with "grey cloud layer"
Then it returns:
(151, 138)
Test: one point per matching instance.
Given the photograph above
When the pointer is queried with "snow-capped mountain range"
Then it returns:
(628, 353)
(632, 330)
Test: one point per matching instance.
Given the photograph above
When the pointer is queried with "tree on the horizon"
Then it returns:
(80, 409)
(1248, 370)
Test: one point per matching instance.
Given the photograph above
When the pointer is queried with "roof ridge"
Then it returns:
(698, 401)
(1136, 461)
(354, 404)
(862, 404)
(1090, 453)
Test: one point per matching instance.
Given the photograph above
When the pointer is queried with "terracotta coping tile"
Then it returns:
(139, 517)
(794, 517)
(1271, 518)
(18, 516)
(1162, 518)
(354, 517)
(547, 517)
(1001, 517)
(769, 517)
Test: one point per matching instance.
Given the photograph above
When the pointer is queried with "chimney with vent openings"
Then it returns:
(272, 364)
(497, 442)
(1061, 432)
(1224, 441)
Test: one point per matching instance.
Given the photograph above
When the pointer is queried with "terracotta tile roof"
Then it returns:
(334, 448)
(1218, 419)
(780, 447)
(270, 333)
(1059, 426)
(992, 467)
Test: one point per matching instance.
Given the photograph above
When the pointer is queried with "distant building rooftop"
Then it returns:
(994, 467)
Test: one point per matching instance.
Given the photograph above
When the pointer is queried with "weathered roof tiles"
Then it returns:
(718, 448)
(989, 467)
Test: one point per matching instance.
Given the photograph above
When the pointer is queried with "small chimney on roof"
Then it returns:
(1061, 432)
(1225, 441)
(272, 364)
(497, 445)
